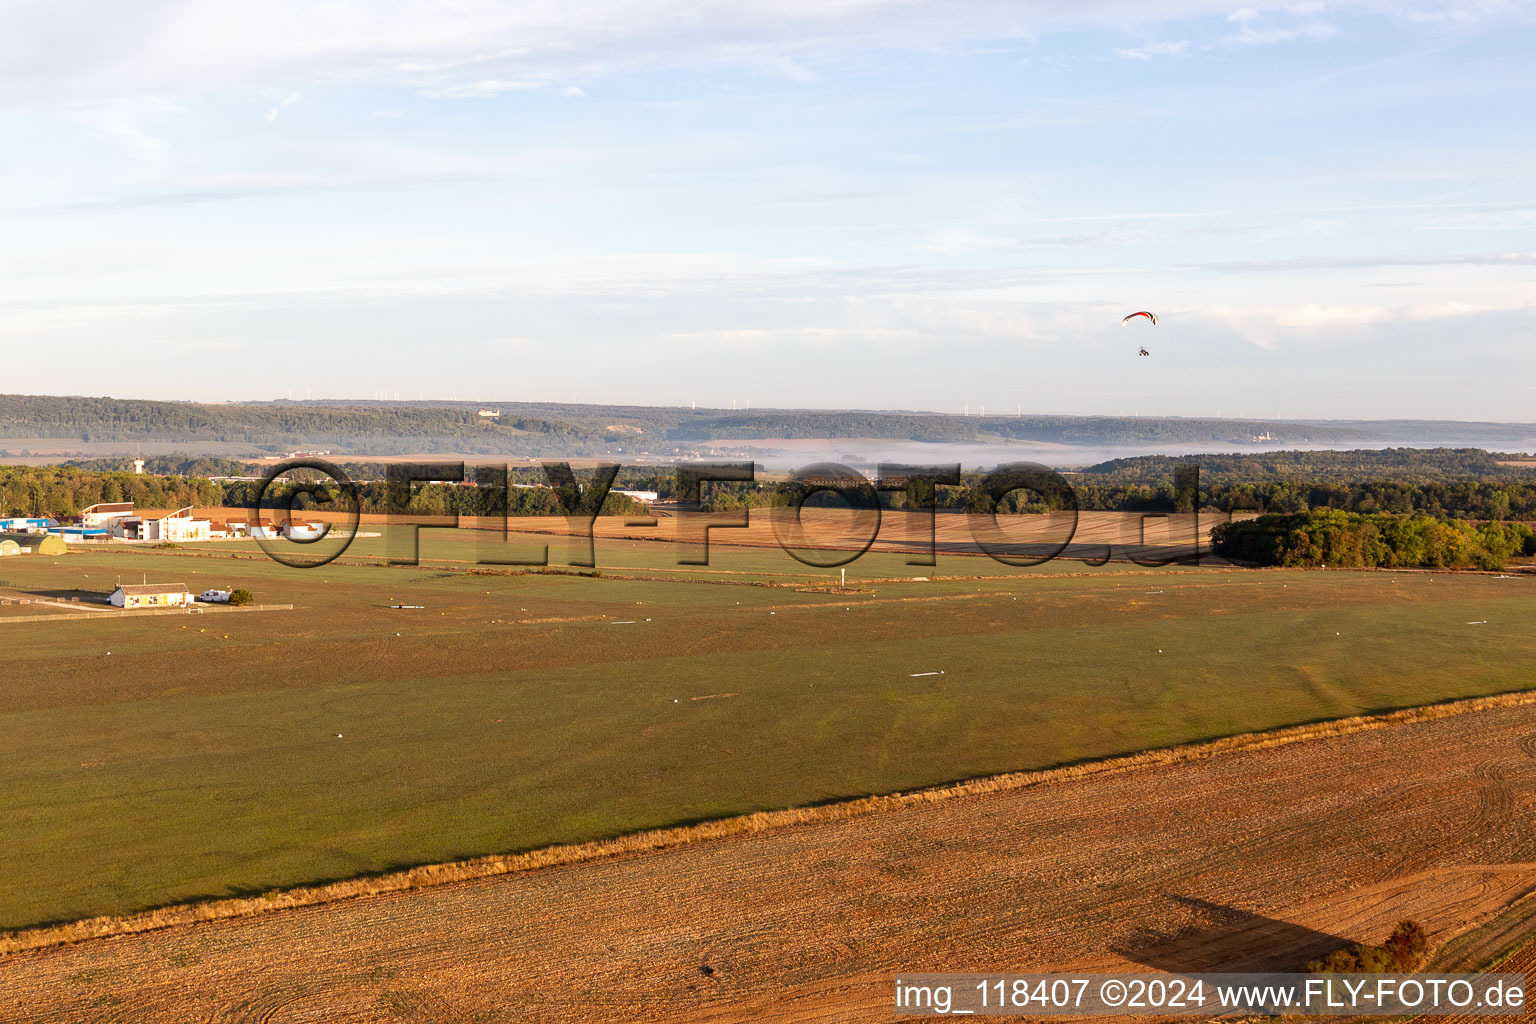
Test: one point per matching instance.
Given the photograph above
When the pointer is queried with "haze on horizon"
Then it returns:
(860, 204)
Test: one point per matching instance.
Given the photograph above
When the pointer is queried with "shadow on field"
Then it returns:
(1228, 939)
(93, 596)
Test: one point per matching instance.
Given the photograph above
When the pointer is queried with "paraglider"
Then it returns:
(1150, 316)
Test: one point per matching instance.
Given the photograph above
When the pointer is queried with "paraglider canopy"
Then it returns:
(1150, 316)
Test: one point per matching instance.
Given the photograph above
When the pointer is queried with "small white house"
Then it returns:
(304, 531)
(151, 595)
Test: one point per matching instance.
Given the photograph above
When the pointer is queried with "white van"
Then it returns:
(215, 596)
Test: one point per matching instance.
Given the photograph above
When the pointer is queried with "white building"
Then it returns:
(151, 595)
(176, 527)
(104, 515)
(173, 527)
(26, 524)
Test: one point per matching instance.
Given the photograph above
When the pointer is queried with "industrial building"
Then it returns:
(77, 534)
(27, 524)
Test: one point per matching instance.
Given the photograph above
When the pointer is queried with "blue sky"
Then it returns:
(864, 203)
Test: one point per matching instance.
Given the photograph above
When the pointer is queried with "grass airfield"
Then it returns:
(201, 757)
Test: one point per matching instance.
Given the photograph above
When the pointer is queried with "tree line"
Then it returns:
(438, 499)
(1348, 540)
(63, 491)
(1442, 484)
(66, 490)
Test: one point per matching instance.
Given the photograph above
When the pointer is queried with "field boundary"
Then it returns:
(653, 840)
(109, 615)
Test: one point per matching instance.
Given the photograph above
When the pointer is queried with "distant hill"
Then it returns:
(1417, 464)
(552, 429)
(382, 429)
(662, 423)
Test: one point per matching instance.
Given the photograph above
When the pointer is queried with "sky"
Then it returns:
(878, 204)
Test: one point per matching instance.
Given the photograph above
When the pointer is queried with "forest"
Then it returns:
(1346, 540)
(65, 490)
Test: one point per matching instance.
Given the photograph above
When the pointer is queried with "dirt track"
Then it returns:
(1258, 858)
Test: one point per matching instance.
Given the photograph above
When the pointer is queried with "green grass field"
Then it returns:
(200, 757)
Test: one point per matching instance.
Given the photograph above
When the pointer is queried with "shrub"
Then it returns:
(1402, 952)
(241, 596)
(1406, 945)
(1340, 961)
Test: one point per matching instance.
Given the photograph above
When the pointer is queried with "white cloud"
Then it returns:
(748, 339)
(1476, 259)
(286, 102)
(487, 87)
(1162, 49)
(94, 49)
(1250, 36)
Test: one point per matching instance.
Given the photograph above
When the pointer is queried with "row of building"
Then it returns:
(120, 521)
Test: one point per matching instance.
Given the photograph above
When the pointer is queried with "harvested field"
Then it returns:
(1205, 863)
(1147, 536)
(1522, 960)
